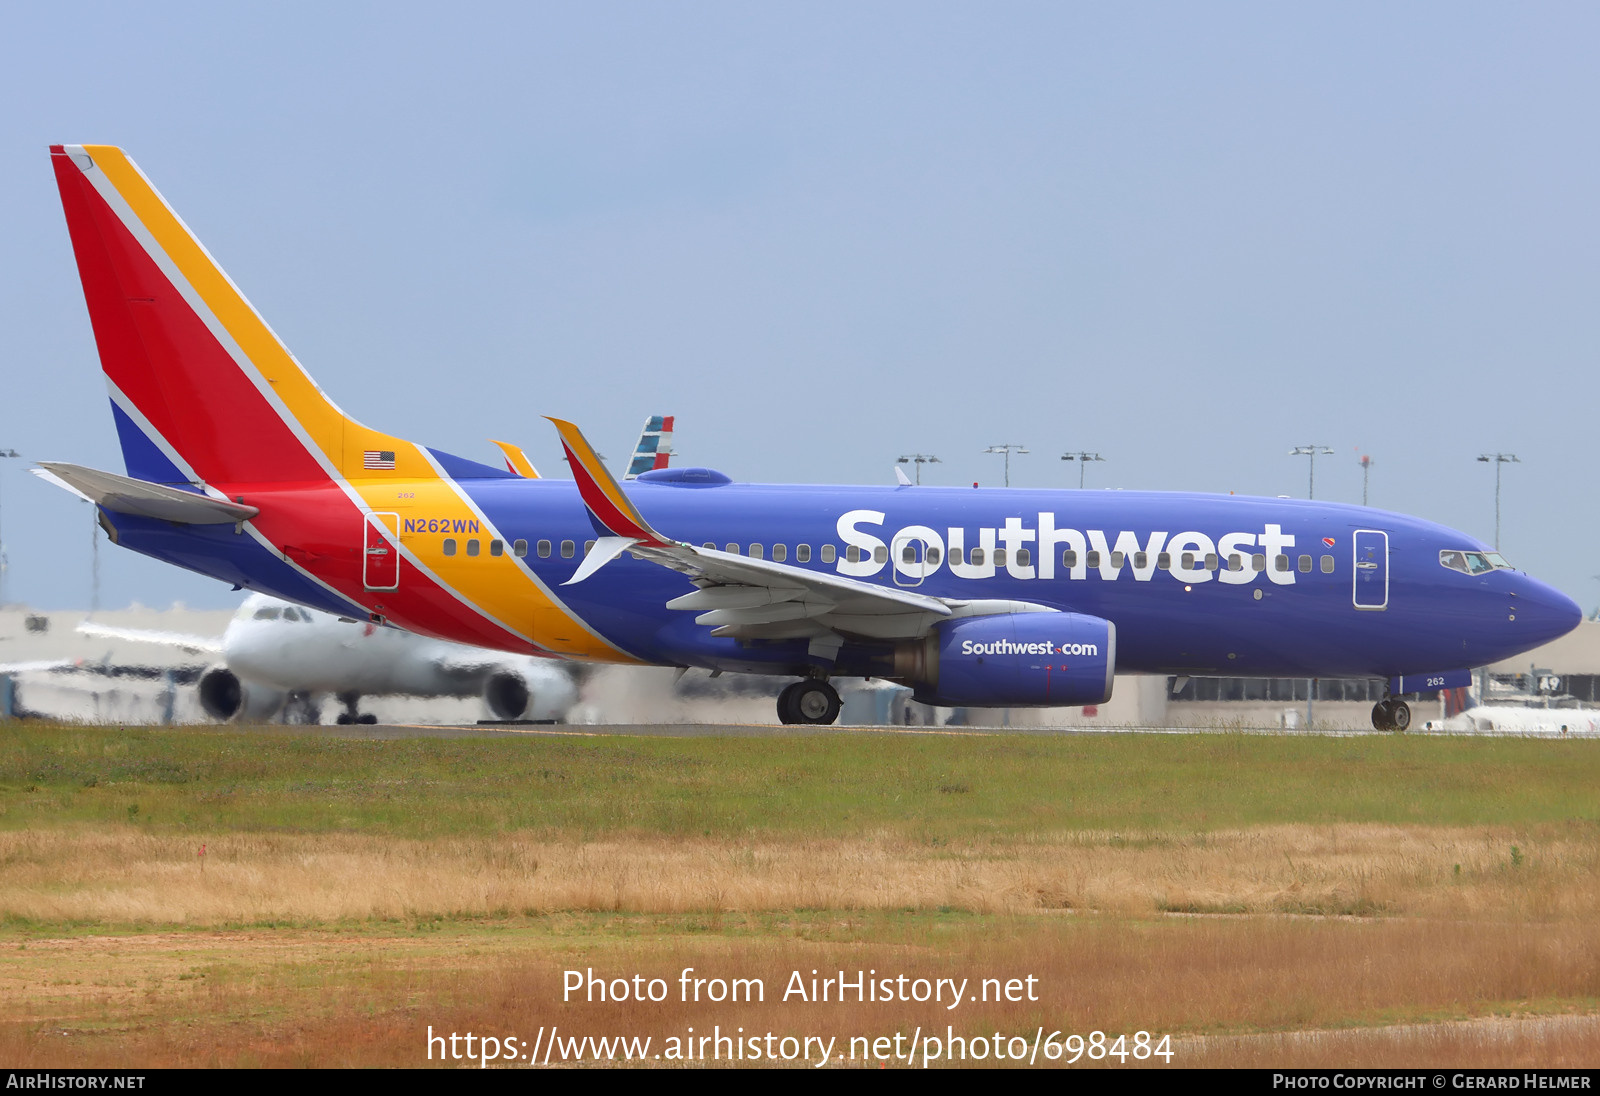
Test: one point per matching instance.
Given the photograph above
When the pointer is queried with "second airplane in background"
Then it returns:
(275, 655)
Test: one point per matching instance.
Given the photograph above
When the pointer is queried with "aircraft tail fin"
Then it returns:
(202, 390)
(654, 449)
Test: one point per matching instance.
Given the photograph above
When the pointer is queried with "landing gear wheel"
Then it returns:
(345, 719)
(367, 718)
(1391, 715)
(815, 702)
(786, 709)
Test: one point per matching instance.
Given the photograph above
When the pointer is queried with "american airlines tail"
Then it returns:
(202, 390)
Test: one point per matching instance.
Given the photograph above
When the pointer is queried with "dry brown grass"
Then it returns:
(125, 876)
(1525, 1042)
(296, 997)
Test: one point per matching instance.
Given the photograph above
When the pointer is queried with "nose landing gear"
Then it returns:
(809, 701)
(1391, 715)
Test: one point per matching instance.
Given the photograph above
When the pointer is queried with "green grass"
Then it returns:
(927, 788)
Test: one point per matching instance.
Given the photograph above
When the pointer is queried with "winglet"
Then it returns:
(610, 510)
(517, 461)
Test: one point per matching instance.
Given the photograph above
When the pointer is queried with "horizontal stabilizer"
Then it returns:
(122, 495)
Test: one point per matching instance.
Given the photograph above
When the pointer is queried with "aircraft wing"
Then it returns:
(753, 598)
(37, 664)
(200, 645)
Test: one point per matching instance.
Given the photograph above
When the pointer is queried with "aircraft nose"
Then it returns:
(1542, 612)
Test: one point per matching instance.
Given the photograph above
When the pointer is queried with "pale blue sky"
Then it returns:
(1187, 236)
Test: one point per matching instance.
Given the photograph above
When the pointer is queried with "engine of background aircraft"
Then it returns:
(224, 696)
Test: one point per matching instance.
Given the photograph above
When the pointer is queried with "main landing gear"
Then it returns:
(810, 701)
(350, 714)
(1390, 714)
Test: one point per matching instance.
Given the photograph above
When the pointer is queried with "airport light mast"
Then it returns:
(919, 459)
(1083, 460)
(1007, 449)
(1497, 459)
(12, 454)
(1312, 451)
(1366, 468)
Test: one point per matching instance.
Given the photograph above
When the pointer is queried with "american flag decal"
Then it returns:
(378, 458)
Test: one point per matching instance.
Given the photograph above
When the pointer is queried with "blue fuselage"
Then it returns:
(1317, 589)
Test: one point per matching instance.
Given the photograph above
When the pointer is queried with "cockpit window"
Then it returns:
(269, 613)
(1472, 563)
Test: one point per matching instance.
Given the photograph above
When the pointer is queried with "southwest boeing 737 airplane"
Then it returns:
(239, 467)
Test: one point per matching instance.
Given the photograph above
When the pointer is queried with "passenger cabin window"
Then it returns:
(567, 549)
(1091, 559)
(588, 546)
(780, 553)
(956, 555)
(1327, 565)
(977, 557)
(1164, 560)
(802, 553)
(731, 548)
(933, 556)
(757, 551)
(496, 548)
(1211, 561)
(880, 554)
(711, 544)
(1140, 561)
(852, 554)
(999, 557)
(1305, 565)
(1069, 559)
(908, 553)
(1117, 559)
(449, 546)
(544, 549)
(520, 547)
(1280, 563)
(1187, 559)
(1024, 557)
(828, 553)
(472, 546)
(1235, 563)
(1258, 562)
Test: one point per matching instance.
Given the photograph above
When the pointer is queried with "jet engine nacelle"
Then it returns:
(506, 694)
(224, 696)
(538, 692)
(1008, 660)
